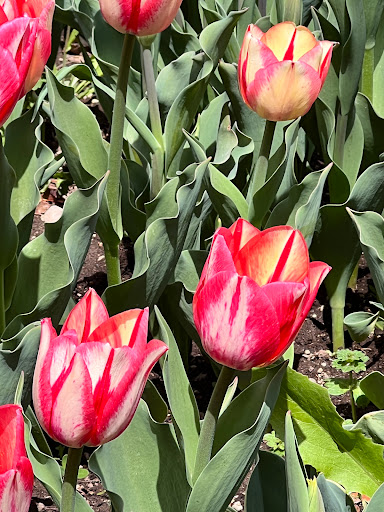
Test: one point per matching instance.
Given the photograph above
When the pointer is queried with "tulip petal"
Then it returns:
(313, 58)
(73, 414)
(95, 356)
(278, 38)
(236, 321)
(284, 91)
(122, 390)
(304, 41)
(242, 231)
(123, 329)
(11, 436)
(276, 254)
(88, 314)
(287, 299)
(327, 47)
(15, 496)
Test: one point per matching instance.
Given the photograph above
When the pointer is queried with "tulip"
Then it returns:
(25, 45)
(282, 71)
(89, 379)
(16, 474)
(139, 17)
(254, 293)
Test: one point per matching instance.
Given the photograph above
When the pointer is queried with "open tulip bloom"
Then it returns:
(88, 381)
(139, 17)
(282, 71)
(25, 45)
(254, 293)
(16, 475)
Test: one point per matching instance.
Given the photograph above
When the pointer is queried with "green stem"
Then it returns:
(2, 303)
(115, 152)
(352, 283)
(259, 173)
(367, 72)
(68, 493)
(208, 429)
(112, 261)
(352, 400)
(337, 327)
(340, 136)
(154, 115)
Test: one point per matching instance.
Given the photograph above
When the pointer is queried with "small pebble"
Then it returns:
(40, 507)
(323, 363)
(307, 351)
(312, 380)
(100, 258)
(320, 370)
(237, 506)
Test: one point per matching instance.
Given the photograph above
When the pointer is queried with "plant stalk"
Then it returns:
(154, 115)
(352, 400)
(115, 153)
(68, 493)
(337, 327)
(259, 173)
(367, 72)
(208, 429)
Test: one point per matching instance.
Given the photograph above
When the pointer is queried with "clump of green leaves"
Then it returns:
(275, 444)
(350, 361)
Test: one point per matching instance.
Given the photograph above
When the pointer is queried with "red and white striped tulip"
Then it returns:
(282, 71)
(88, 381)
(139, 17)
(25, 45)
(16, 474)
(254, 293)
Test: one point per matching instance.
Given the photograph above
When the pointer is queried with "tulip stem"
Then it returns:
(208, 429)
(337, 327)
(68, 493)
(154, 115)
(352, 399)
(259, 173)
(112, 262)
(115, 153)
(367, 73)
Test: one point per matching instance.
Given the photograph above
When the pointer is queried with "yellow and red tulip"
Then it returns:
(16, 474)
(89, 379)
(282, 71)
(254, 293)
(25, 45)
(139, 17)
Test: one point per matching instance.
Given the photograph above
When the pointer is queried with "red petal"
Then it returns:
(242, 232)
(12, 436)
(88, 314)
(236, 321)
(276, 254)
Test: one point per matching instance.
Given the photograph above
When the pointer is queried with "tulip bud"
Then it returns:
(139, 17)
(254, 293)
(25, 45)
(282, 71)
(16, 474)
(88, 381)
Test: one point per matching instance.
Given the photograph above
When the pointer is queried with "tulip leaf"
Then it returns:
(62, 247)
(300, 209)
(143, 469)
(188, 269)
(360, 324)
(222, 476)
(157, 407)
(372, 426)
(372, 126)
(8, 230)
(45, 467)
(376, 503)
(297, 491)
(29, 166)
(333, 495)
(86, 156)
(372, 386)
(268, 475)
(170, 221)
(346, 457)
(180, 395)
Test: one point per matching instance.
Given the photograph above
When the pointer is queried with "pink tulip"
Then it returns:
(282, 71)
(16, 474)
(254, 293)
(88, 381)
(25, 45)
(139, 17)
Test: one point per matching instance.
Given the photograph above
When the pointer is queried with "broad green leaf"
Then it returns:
(372, 426)
(180, 395)
(188, 269)
(376, 503)
(372, 125)
(360, 324)
(224, 473)
(63, 247)
(266, 490)
(156, 405)
(8, 230)
(143, 469)
(346, 457)
(372, 385)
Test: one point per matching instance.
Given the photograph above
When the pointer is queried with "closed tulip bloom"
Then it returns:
(88, 381)
(254, 293)
(139, 17)
(25, 45)
(282, 71)
(16, 474)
